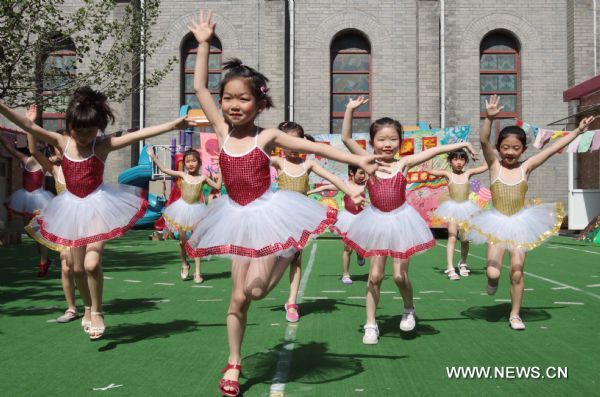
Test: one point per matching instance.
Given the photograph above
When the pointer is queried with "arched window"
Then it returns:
(350, 78)
(499, 73)
(189, 50)
(59, 67)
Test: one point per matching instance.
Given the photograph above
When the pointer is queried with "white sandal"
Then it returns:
(463, 269)
(516, 323)
(451, 273)
(86, 324)
(97, 332)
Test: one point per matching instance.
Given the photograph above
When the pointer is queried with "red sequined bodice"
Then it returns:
(246, 177)
(82, 177)
(33, 180)
(387, 194)
(350, 206)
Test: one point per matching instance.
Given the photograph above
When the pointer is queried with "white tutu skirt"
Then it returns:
(522, 231)
(400, 233)
(104, 214)
(277, 223)
(24, 203)
(33, 229)
(459, 213)
(181, 216)
(343, 223)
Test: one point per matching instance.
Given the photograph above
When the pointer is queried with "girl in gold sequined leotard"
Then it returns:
(512, 224)
(293, 173)
(185, 214)
(457, 210)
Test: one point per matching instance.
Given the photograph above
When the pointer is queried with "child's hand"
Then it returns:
(372, 163)
(203, 30)
(353, 104)
(493, 106)
(472, 152)
(585, 123)
(356, 195)
(150, 151)
(32, 113)
(182, 123)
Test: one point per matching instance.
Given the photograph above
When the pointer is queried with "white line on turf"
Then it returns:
(559, 288)
(540, 277)
(357, 297)
(431, 292)
(132, 281)
(107, 278)
(333, 292)
(574, 249)
(593, 285)
(569, 303)
(285, 354)
(111, 386)
(501, 300)
(315, 297)
(158, 301)
(452, 300)
(164, 283)
(202, 286)
(209, 300)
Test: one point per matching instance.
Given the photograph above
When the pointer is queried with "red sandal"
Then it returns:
(233, 384)
(43, 268)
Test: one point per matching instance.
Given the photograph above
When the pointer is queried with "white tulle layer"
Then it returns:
(183, 216)
(26, 203)
(106, 213)
(523, 231)
(277, 223)
(461, 213)
(399, 233)
(344, 221)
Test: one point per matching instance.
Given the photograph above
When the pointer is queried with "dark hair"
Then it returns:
(385, 122)
(512, 130)
(289, 126)
(352, 169)
(458, 154)
(24, 150)
(309, 137)
(256, 80)
(88, 108)
(192, 152)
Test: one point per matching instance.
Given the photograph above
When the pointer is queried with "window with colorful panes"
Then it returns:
(499, 73)
(59, 68)
(188, 56)
(350, 78)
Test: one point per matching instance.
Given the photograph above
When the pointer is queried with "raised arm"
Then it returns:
(276, 162)
(39, 156)
(116, 143)
(215, 183)
(438, 173)
(492, 108)
(411, 161)
(329, 187)
(350, 143)
(161, 166)
(478, 170)
(368, 162)
(10, 148)
(203, 31)
(540, 158)
(335, 180)
(53, 138)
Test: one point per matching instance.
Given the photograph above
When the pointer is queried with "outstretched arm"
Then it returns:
(203, 31)
(10, 148)
(368, 163)
(53, 138)
(161, 166)
(350, 143)
(428, 154)
(323, 188)
(116, 143)
(492, 108)
(337, 182)
(478, 170)
(540, 158)
(438, 173)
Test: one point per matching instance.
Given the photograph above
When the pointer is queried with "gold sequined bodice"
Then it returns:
(190, 192)
(509, 198)
(293, 183)
(459, 192)
(59, 183)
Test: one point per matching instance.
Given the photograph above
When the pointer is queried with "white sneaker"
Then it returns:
(371, 336)
(408, 321)
(516, 323)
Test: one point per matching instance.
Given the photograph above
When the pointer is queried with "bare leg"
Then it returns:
(400, 274)
(295, 276)
(185, 266)
(517, 281)
(198, 273)
(464, 247)
(78, 256)
(68, 279)
(452, 233)
(376, 274)
(346, 261)
(95, 277)
(494, 264)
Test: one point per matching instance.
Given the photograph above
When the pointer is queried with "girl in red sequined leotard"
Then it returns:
(261, 229)
(31, 197)
(89, 212)
(389, 227)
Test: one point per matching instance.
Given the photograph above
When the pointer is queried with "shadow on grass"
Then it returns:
(389, 327)
(308, 363)
(314, 306)
(501, 312)
(472, 271)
